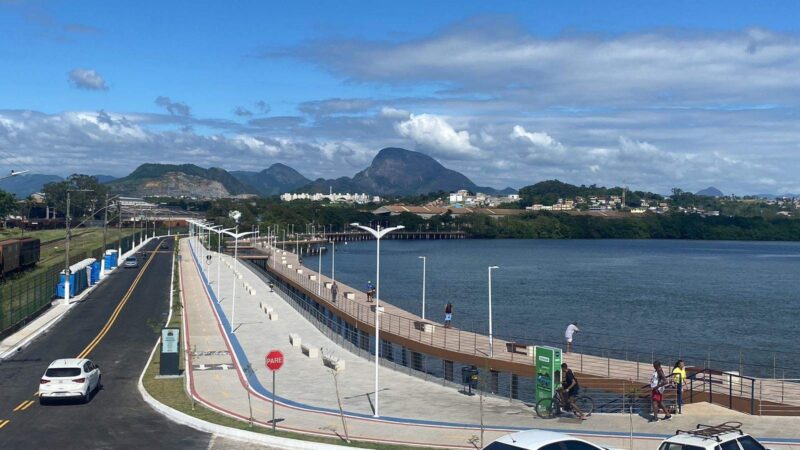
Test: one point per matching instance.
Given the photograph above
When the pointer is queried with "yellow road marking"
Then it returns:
(19, 406)
(27, 405)
(115, 314)
(4, 423)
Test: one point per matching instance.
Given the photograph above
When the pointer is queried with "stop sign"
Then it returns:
(274, 360)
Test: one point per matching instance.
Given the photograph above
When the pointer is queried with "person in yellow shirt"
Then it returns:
(679, 378)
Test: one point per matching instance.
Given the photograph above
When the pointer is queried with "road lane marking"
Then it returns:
(27, 405)
(4, 423)
(86, 351)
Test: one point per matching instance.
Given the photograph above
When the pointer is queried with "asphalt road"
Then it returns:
(116, 417)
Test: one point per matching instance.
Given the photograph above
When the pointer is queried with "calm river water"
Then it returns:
(714, 302)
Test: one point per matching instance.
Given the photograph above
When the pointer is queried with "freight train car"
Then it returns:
(18, 254)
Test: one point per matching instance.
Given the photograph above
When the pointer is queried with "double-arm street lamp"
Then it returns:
(424, 263)
(236, 237)
(377, 234)
(491, 346)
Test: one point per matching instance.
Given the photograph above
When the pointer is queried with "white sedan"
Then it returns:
(541, 440)
(69, 378)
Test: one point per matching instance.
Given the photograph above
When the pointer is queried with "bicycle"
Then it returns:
(548, 408)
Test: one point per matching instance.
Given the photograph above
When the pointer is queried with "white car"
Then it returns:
(727, 436)
(541, 440)
(131, 261)
(69, 378)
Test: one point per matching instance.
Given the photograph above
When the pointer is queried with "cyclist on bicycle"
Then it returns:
(569, 391)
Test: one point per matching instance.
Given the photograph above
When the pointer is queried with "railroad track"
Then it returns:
(53, 242)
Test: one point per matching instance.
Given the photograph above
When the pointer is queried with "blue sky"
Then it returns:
(649, 94)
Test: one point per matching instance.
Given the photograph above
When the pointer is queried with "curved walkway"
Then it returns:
(416, 412)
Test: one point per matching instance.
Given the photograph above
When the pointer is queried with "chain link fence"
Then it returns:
(26, 295)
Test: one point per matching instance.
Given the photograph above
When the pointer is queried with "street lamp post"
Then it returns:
(66, 254)
(333, 261)
(319, 272)
(377, 234)
(219, 258)
(424, 270)
(236, 237)
(491, 346)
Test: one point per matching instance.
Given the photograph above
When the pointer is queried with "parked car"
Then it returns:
(70, 378)
(541, 440)
(727, 436)
(164, 245)
(131, 261)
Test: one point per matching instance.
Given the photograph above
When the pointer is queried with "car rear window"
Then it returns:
(63, 372)
(131, 259)
(501, 446)
(749, 443)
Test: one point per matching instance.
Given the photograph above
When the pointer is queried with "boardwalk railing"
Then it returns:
(634, 369)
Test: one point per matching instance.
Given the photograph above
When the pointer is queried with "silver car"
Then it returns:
(131, 261)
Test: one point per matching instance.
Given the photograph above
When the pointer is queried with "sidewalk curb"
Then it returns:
(214, 429)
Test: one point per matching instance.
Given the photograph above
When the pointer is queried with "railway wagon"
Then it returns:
(18, 254)
(29, 252)
(9, 255)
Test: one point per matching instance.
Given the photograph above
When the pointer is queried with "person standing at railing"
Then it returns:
(448, 314)
(370, 291)
(679, 377)
(334, 291)
(569, 334)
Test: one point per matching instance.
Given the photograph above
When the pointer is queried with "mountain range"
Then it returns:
(393, 171)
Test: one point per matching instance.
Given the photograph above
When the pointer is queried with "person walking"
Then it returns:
(658, 382)
(569, 334)
(334, 291)
(679, 377)
(448, 314)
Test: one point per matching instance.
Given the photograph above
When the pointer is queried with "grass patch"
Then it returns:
(172, 393)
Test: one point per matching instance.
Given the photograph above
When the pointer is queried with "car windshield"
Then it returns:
(131, 260)
(63, 372)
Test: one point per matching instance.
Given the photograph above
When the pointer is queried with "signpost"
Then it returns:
(274, 361)
(170, 353)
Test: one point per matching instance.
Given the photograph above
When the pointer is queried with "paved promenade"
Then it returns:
(412, 410)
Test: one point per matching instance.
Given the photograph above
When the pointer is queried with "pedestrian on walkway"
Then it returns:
(569, 334)
(658, 382)
(448, 314)
(679, 377)
(334, 291)
(370, 291)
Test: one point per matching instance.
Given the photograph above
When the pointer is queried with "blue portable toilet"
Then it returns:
(111, 259)
(95, 277)
(60, 287)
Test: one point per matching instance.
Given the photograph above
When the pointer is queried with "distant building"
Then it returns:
(331, 197)
(426, 212)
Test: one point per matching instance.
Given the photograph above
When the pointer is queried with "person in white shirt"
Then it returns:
(568, 335)
(658, 382)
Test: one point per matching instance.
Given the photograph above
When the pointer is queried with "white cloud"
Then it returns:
(393, 113)
(436, 135)
(87, 79)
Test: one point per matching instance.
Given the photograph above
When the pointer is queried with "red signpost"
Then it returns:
(274, 361)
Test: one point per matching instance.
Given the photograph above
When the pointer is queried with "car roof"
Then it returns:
(535, 438)
(67, 362)
(702, 440)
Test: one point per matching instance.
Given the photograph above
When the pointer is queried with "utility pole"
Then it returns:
(66, 255)
(103, 253)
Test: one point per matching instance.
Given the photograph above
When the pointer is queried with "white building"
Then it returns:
(332, 197)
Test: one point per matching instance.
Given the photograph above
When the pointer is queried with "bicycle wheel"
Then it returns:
(586, 404)
(545, 408)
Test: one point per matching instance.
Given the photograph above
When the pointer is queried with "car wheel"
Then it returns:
(99, 383)
(42, 400)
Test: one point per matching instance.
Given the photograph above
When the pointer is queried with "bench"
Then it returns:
(519, 347)
(294, 340)
(311, 352)
(425, 327)
(312, 277)
(333, 362)
(350, 295)
(272, 314)
(300, 271)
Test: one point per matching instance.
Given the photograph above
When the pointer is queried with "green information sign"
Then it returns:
(548, 371)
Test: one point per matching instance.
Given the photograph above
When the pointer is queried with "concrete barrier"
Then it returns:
(311, 352)
(273, 315)
(294, 340)
(333, 362)
(312, 277)
(350, 295)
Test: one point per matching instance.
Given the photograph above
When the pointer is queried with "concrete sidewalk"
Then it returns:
(413, 410)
